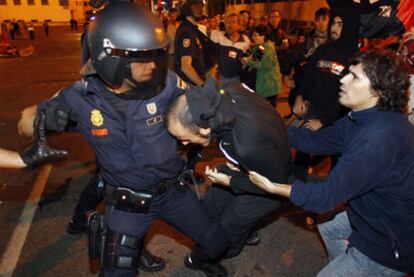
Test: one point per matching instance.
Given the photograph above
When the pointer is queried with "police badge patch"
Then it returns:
(232, 54)
(97, 118)
(186, 42)
(181, 84)
(152, 108)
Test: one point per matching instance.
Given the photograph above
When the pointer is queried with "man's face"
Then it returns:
(173, 16)
(142, 72)
(321, 23)
(197, 9)
(257, 38)
(244, 19)
(232, 24)
(336, 28)
(356, 91)
(186, 135)
(274, 19)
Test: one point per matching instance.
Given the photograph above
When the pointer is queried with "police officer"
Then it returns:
(189, 44)
(121, 111)
(251, 135)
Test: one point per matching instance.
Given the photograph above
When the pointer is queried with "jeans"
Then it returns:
(344, 260)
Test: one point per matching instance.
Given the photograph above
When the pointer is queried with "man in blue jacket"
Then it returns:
(374, 176)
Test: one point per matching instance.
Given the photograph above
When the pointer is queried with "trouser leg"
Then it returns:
(238, 214)
(335, 234)
(242, 216)
(125, 235)
(184, 211)
(354, 263)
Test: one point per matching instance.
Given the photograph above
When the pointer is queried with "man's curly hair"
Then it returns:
(388, 76)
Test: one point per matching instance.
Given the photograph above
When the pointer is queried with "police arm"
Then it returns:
(189, 71)
(25, 125)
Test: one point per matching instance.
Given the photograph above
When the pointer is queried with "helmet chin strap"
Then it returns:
(142, 90)
(146, 89)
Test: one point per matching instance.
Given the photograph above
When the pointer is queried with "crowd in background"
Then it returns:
(293, 51)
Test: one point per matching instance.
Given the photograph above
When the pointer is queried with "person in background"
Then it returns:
(298, 57)
(268, 77)
(231, 46)
(264, 20)
(244, 21)
(171, 30)
(277, 34)
(46, 28)
(189, 62)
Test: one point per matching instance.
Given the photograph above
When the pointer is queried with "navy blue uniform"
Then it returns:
(189, 42)
(136, 151)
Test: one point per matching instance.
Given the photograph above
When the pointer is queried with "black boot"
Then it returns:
(210, 269)
(253, 239)
(78, 223)
(149, 262)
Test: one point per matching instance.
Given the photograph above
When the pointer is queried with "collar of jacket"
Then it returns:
(363, 116)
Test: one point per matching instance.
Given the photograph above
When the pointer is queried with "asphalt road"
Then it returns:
(287, 247)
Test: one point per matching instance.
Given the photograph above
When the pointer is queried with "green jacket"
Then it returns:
(268, 78)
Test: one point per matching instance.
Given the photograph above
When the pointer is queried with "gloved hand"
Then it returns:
(57, 117)
(39, 152)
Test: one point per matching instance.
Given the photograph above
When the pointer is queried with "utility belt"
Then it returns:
(134, 201)
(102, 241)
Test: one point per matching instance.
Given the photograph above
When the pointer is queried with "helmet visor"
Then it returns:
(142, 56)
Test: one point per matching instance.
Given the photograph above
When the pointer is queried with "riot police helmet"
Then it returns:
(125, 33)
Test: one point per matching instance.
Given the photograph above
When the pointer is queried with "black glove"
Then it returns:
(39, 152)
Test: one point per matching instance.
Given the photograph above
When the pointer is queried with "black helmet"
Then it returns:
(123, 33)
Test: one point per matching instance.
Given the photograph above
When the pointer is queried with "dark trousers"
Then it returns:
(238, 214)
(181, 209)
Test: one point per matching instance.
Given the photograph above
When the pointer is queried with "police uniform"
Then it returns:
(189, 42)
(136, 153)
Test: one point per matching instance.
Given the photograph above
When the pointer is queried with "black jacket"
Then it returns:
(258, 140)
(326, 66)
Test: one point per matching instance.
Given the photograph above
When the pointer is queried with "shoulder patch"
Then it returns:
(181, 84)
(186, 42)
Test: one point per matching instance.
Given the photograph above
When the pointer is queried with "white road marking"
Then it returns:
(14, 248)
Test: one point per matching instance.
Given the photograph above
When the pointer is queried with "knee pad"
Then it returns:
(120, 250)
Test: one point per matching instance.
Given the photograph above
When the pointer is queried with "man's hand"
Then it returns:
(39, 152)
(300, 106)
(261, 182)
(313, 124)
(265, 184)
(232, 166)
(217, 177)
